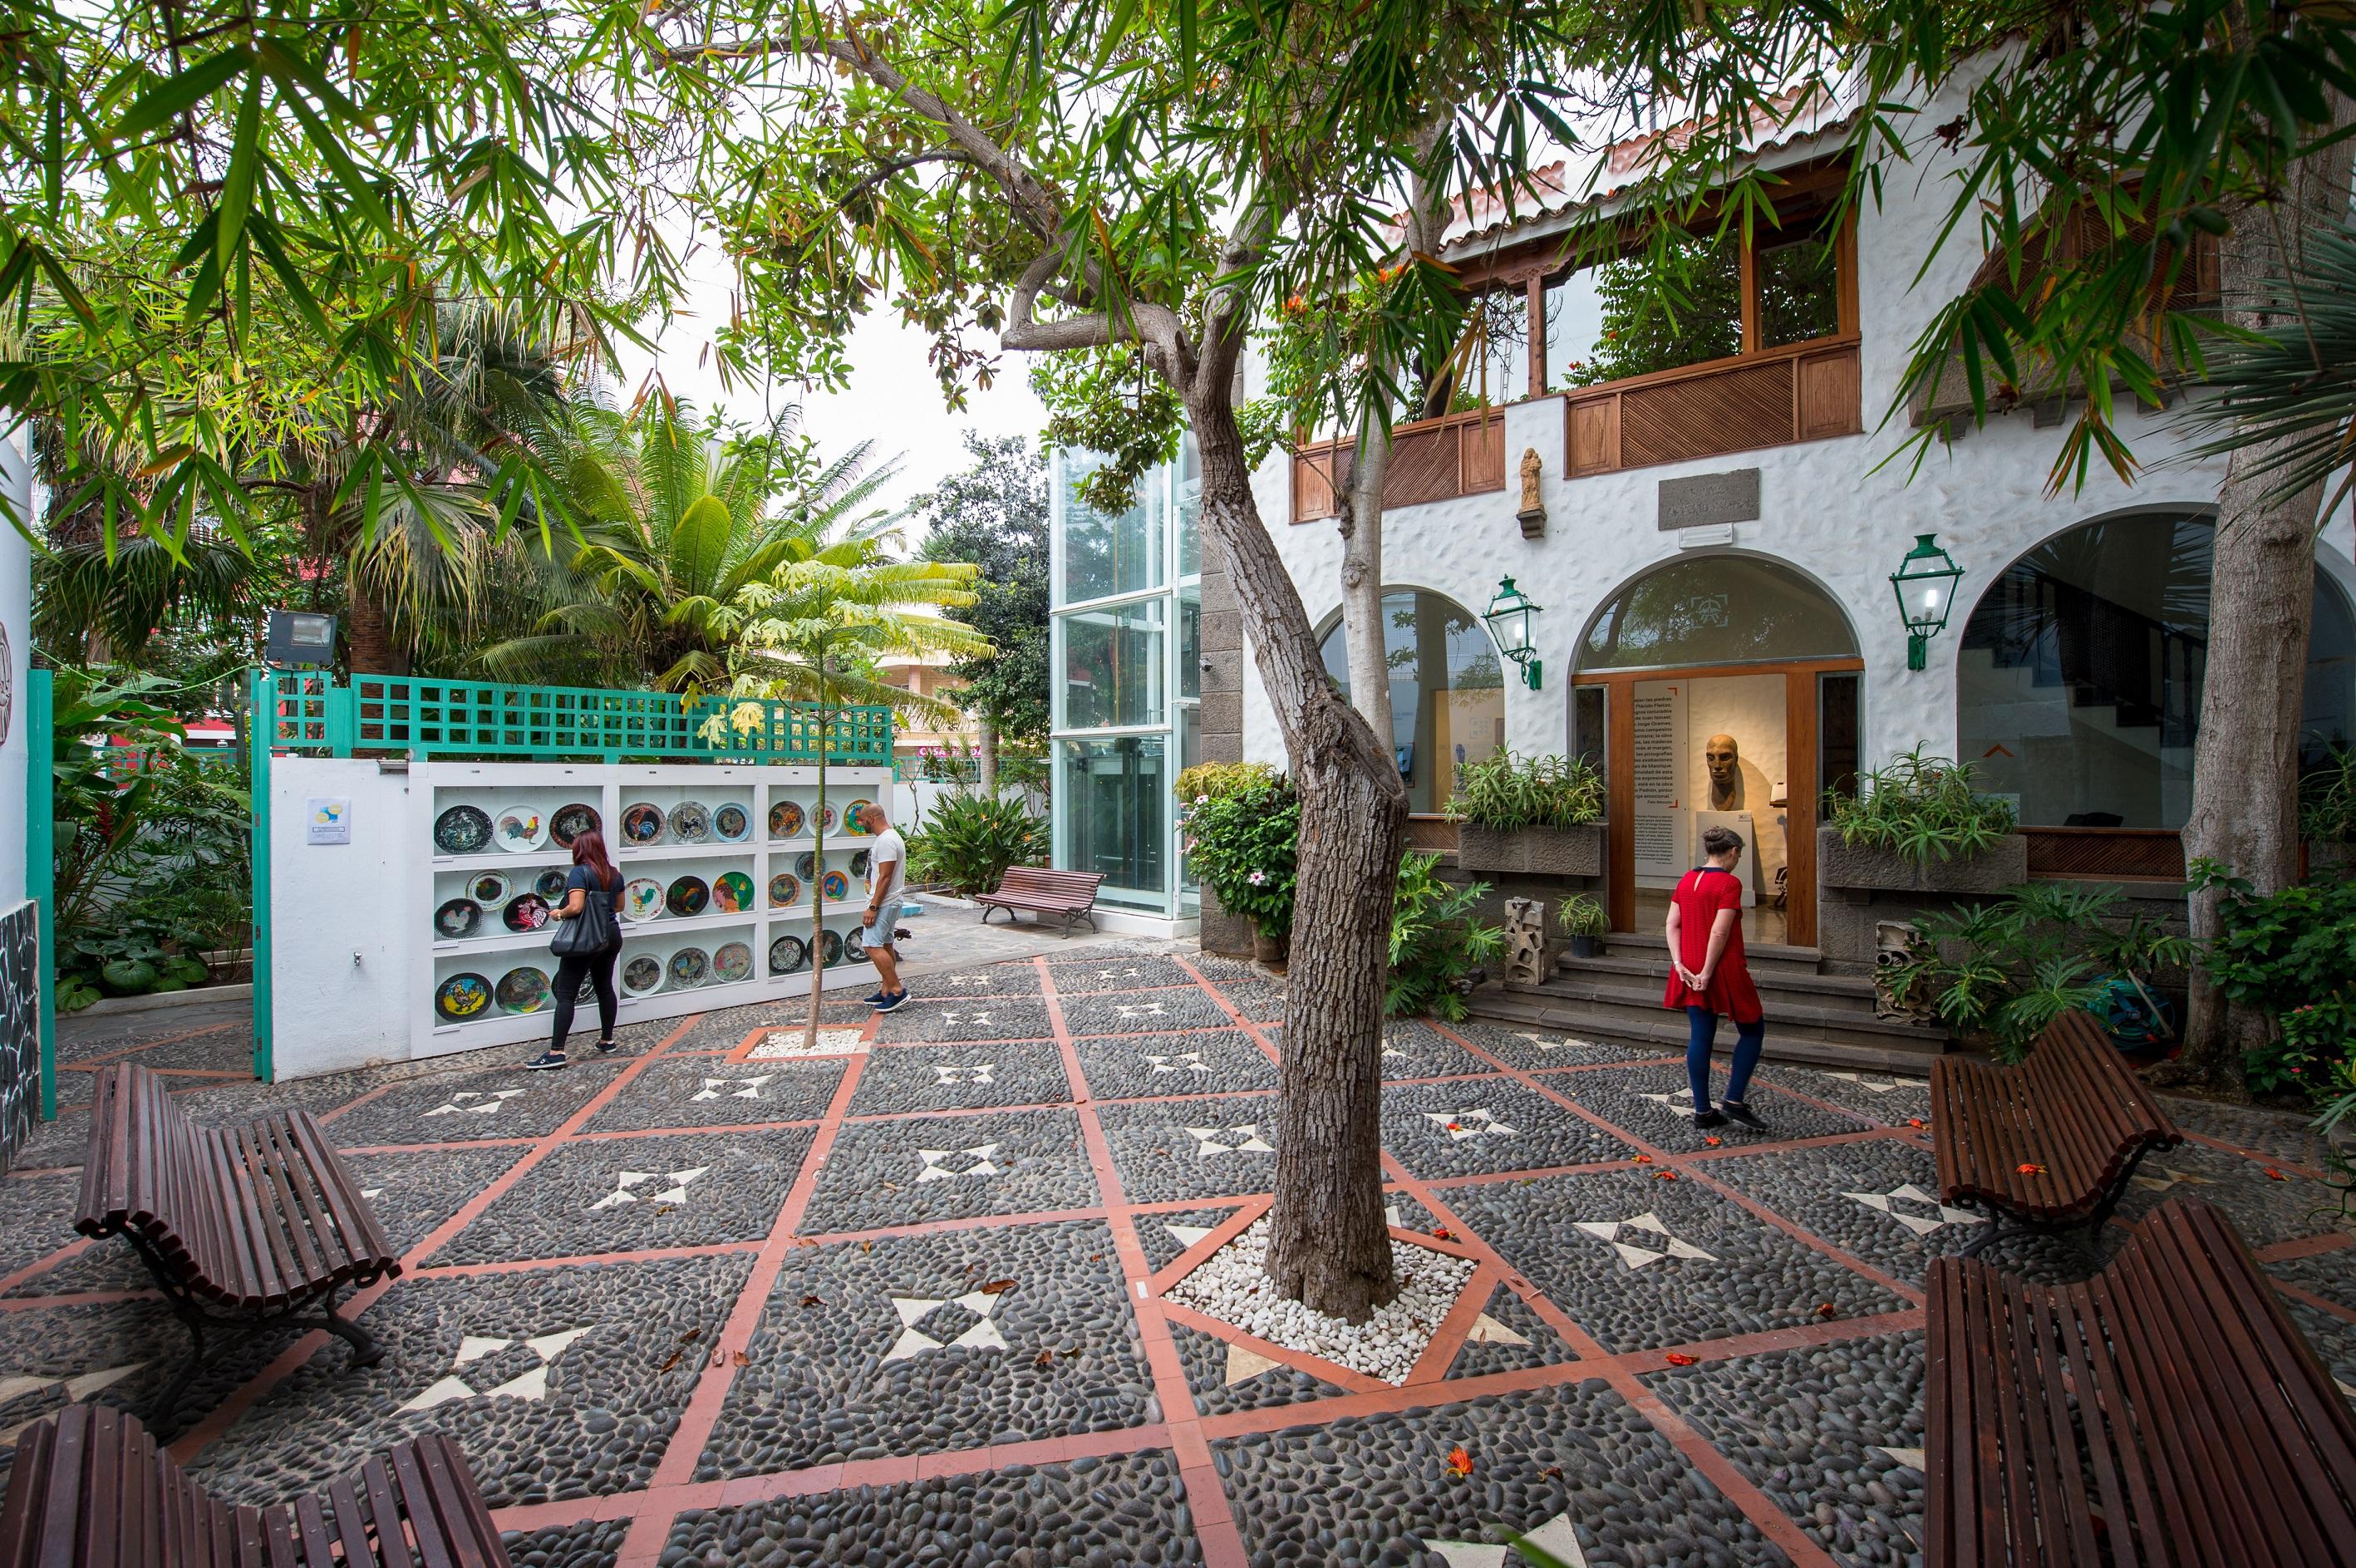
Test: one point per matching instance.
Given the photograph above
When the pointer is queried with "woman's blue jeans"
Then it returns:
(1748, 1040)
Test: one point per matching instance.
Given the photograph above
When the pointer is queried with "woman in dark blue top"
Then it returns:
(593, 876)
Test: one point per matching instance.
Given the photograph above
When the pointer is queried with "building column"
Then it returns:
(1220, 721)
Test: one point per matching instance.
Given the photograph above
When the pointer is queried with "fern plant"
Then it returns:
(1924, 808)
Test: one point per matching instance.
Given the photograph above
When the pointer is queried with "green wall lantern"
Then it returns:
(1925, 585)
(1508, 620)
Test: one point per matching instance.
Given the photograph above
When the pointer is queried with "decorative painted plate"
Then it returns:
(731, 961)
(785, 819)
(733, 891)
(457, 918)
(806, 865)
(858, 862)
(523, 990)
(642, 975)
(731, 823)
(642, 899)
(549, 884)
(838, 886)
(788, 955)
(462, 997)
(785, 891)
(691, 823)
(526, 911)
(642, 825)
(830, 946)
(854, 817)
(690, 967)
(462, 830)
(853, 947)
(686, 896)
(825, 820)
(489, 888)
(520, 827)
(570, 822)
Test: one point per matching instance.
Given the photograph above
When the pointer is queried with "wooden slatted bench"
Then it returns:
(250, 1225)
(90, 1489)
(1071, 894)
(2165, 1412)
(2049, 1144)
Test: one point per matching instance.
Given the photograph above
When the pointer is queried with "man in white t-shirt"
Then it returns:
(887, 878)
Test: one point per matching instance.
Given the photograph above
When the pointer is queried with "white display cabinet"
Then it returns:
(701, 850)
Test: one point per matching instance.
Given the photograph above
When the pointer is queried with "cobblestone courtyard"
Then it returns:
(968, 1291)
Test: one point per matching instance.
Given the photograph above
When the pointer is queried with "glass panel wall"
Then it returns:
(1112, 798)
(1448, 694)
(1105, 556)
(1716, 609)
(1113, 666)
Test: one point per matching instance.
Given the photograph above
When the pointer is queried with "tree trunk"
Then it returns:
(1329, 1246)
(988, 747)
(2261, 604)
(1364, 638)
(369, 635)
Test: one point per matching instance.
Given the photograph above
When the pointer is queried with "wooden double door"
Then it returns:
(1655, 775)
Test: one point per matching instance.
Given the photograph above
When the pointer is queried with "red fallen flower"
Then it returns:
(1455, 1127)
(1679, 1359)
(2274, 1175)
(1665, 1175)
(1439, 1232)
(1644, 1159)
(1460, 1463)
(1914, 1121)
(1826, 1310)
(1713, 1142)
(2029, 1168)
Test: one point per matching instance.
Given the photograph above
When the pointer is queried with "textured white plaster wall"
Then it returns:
(16, 618)
(331, 901)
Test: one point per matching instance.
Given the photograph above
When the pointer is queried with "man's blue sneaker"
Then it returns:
(888, 1002)
(873, 1000)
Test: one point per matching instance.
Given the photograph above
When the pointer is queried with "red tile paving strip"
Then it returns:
(2253, 1155)
(106, 1057)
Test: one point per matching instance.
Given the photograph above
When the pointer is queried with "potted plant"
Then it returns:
(1537, 815)
(1242, 821)
(1583, 919)
(1916, 825)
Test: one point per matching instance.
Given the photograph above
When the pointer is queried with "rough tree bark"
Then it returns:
(2261, 603)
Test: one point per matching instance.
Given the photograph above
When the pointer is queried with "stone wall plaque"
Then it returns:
(1703, 500)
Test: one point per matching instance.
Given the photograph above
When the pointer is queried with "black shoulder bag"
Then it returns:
(593, 930)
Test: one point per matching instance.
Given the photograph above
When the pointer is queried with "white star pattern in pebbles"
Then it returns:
(475, 1102)
(915, 1309)
(1487, 1331)
(952, 1019)
(1915, 1209)
(941, 1164)
(1188, 1061)
(627, 1185)
(1543, 1043)
(1910, 1457)
(1242, 1139)
(1642, 1240)
(731, 1088)
(944, 1076)
(2169, 1176)
(76, 1389)
(473, 1348)
(1877, 1084)
(1187, 1235)
(1131, 973)
(784, 1044)
(1554, 1537)
(1474, 1122)
(1138, 1012)
(1232, 1285)
(1680, 1101)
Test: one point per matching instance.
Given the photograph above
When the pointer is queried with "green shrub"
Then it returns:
(1923, 807)
(968, 839)
(1582, 916)
(2326, 800)
(2292, 954)
(1503, 790)
(1435, 940)
(1240, 838)
(1215, 780)
(2009, 967)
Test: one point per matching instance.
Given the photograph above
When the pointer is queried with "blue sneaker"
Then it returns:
(888, 1002)
(873, 1000)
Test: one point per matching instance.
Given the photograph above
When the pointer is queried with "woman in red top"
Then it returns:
(1707, 976)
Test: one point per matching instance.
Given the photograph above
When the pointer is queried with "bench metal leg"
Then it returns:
(2086, 1230)
(366, 1352)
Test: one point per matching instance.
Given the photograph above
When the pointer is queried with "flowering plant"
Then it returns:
(1240, 842)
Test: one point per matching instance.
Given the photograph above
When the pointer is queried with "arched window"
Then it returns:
(2079, 677)
(1448, 694)
(1716, 609)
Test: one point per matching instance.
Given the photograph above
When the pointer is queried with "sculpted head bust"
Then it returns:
(1725, 763)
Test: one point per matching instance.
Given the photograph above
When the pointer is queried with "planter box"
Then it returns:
(1532, 851)
(1841, 865)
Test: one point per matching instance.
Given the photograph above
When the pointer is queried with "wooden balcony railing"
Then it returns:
(1431, 460)
(1804, 392)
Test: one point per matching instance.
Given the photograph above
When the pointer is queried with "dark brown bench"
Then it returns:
(2049, 1144)
(250, 1225)
(2164, 1412)
(91, 1488)
(1071, 894)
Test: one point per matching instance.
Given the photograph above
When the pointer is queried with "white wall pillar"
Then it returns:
(16, 626)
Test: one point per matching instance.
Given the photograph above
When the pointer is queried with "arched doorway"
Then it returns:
(1448, 690)
(1717, 690)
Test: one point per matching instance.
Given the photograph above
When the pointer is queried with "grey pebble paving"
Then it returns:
(593, 1543)
(1542, 1134)
(1220, 968)
(612, 1400)
(726, 1030)
(961, 1017)
(2334, 1338)
(616, 1196)
(1206, 1061)
(875, 1175)
(1414, 1049)
(2332, 1275)
(1535, 1048)
(414, 1192)
(1115, 972)
(1412, 1215)
(1204, 1357)
(1545, 1348)
(1810, 1427)
(1377, 1490)
(215, 1048)
(1754, 1279)
(1017, 979)
(1262, 1001)
(55, 1146)
(1885, 1098)
(2277, 1134)
(41, 1218)
(1161, 1248)
(960, 1077)
(1138, 1012)
(1618, 1094)
(2263, 1210)
(105, 1265)
(698, 1090)
(1160, 1161)
(1091, 1513)
(530, 1104)
(1054, 1353)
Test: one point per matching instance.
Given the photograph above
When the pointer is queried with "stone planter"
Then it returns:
(1532, 851)
(1840, 865)
(1272, 951)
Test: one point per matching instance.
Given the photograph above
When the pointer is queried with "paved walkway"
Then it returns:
(966, 1291)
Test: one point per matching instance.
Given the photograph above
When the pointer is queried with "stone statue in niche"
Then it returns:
(1720, 755)
(1533, 514)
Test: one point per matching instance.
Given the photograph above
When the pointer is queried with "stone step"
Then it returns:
(1614, 968)
(1765, 957)
(1820, 1036)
